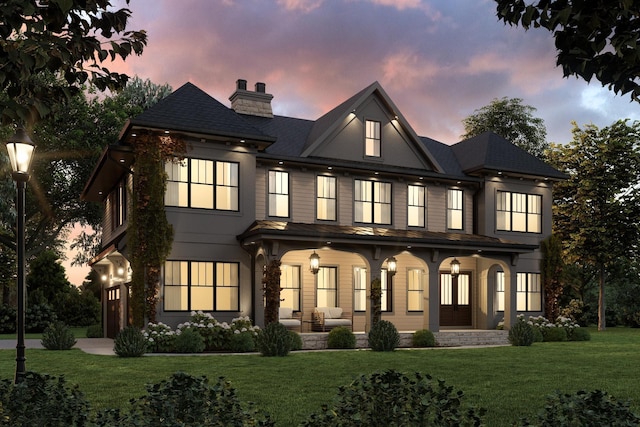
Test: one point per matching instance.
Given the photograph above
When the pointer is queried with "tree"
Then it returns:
(596, 210)
(272, 290)
(47, 278)
(595, 38)
(512, 120)
(69, 38)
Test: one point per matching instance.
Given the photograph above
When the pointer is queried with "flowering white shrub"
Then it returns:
(160, 337)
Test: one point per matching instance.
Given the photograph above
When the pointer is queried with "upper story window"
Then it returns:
(118, 204)
(518, 212)
(415, 205)
(455, 203)
(279, 193)
(372, 139)
(206, 184)
(372, 202)
(326, 198)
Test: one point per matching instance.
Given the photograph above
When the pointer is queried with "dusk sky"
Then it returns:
(438, 60)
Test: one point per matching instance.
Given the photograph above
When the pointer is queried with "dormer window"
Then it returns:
(372, 139)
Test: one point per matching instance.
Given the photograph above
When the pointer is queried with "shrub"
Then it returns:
(38, 317)
(242, 342)
(423, 338)
(77, 308)
(391, 398)
(42, 400)
(383, 336)
(521, 334)
(296, 341)
(95, 331)
(130, 342)
(554, 334)
(160, 338)
(274, 340)
(7, 319)
(189, 341)
(58, 336)
(595, 408)
(580, 334)
(537, 335)
(341, 337)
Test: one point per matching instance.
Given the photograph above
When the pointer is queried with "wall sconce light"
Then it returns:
(392, 266)
(314, 263)
(120, 271)
(455, 267)
(103, 277)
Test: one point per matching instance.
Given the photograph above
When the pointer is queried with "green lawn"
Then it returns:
(78, 332)
(510, 382)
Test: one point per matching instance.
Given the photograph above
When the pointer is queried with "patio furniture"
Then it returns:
(326, 318)
(292, 320)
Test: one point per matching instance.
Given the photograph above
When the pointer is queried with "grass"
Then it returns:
(511, 382)
(78, 332)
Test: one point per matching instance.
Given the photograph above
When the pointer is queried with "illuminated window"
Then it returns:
(372, 204)
(290, 287)
(372, 139)
(327, 287)
(454, 209)
(278, 194)
(415, 205)
(529, 293)
(326, 198)
(415, 289)
(196, 285)
(518, 212)
(500, 290)
(205, 184)
(359, 289)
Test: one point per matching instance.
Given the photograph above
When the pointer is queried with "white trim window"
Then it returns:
(372, 202)
(373, 143)
(518, 212)
(529, 293)
(415, 205)
(279, 194)
(455, 203)
(326, 198)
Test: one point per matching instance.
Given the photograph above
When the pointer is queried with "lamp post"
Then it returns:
(20, 148)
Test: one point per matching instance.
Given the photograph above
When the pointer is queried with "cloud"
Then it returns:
(300, 5)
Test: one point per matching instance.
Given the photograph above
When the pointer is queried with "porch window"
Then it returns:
(290, 286)
(195, 285)
(205, 184)
(279, 194)
(518, 212)
(326, 198)
(415, 205)
(386, 303)
(499, 290)
(415, 289)
(529, 293)
(359, 289)
(327, 287)
(372, 202)
(455, 209)
(372, 139)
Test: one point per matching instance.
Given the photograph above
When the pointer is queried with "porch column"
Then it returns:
(510, 298)
(431, 304)
(374, 272)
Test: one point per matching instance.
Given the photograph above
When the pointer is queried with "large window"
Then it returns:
(279, 194)
(327, 287)
(500, 291)
(415, 205)
(372, 139)
(206, 184)
(415, 289)
(529, 294)
(326, 198)
(360, 294)
(518, 212)
(290, 287)
(195, 285)
(372, 202)
(455, 199)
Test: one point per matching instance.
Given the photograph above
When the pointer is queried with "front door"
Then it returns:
(113, 311)
(455, 300)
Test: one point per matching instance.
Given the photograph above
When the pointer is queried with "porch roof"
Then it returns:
(321, 233)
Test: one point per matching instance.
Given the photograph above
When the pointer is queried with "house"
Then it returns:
(356, 190)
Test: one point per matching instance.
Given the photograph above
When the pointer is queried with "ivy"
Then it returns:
(272, 291)
(376, 301)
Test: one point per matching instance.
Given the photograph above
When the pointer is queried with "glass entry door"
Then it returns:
(455, 300)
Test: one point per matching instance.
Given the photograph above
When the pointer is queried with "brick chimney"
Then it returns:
(256, 103)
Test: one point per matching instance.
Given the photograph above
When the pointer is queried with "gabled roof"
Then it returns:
(328, 123)
(190, 109)
(491, 152)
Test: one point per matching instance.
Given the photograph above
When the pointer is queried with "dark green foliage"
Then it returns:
(383, 336)
(376, 300)
(130, 342)
(41, 400)
(58, 336)
(38, 317)
(537, 335)
(95, 331)
(423, 338)
(341, 337)
(296, 341)
(47, 278)
(592, 409)
(7, 319)
(242, 342)
(521, 334)
(554, 334)
(185, 400)
(391, 398)
(551, 266)
(274, 340)
(271, 280)
(78, 309)
(580, 334)
(189, 341)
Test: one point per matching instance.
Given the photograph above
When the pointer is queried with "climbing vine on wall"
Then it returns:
(376, 301)
(150, 234)
(271, 291)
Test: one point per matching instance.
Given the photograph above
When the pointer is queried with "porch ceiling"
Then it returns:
(320, 233)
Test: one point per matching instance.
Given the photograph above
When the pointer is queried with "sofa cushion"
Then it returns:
(335, 312)
(289, 323)
(325, 310)
(337, 322)
(285, 313)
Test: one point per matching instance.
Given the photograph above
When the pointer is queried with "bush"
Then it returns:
(537, 335)
(383, 336)
(189, 341)
(521, 334)
(42, 400)
(423, 338)
(7, 319)
(95, 331)
(274, 340)
(296, 341)
(554, 334)
(580, 334)
(76, 308)
(594, 408)
(130, 342)
(38, 317)
(391, 398)
(58, 336)
(242, 342)
(341, 337)
(160, 338)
